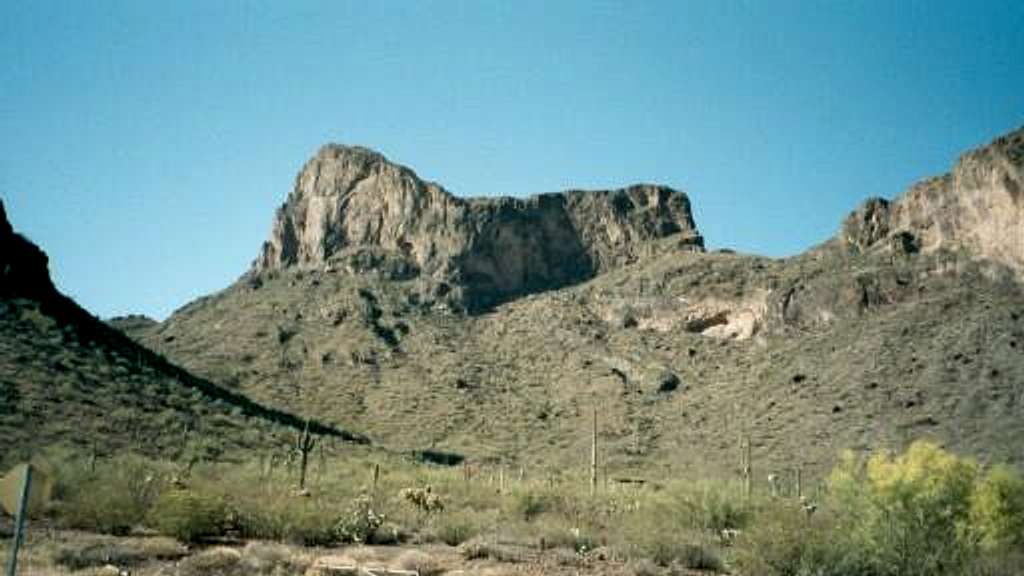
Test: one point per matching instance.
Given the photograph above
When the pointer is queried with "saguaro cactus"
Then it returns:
(304, 444)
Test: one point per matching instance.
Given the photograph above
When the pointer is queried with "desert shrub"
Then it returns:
(99, 554)
(389, 534)
(360, 521)
(421, 562)
(104, 511)
(905, 514)
(111, 499)
(660, 534)
(925, 512)
(717, 507)
(475, 549)
(270, 521)
(694, 555)
(997, 511)
(454, 528)
(219, 561)
(783, 540)
(529, 504)
(1002, 564)
(269, 558)
(481, 548)
(284, 516)
(422, 499)
(554, 532)
(642, 567)
(126, 552)
(188, 515)
(309, 525)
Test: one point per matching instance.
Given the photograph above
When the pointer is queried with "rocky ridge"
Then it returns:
(977, 207)
(352, 203)
(875, 338)
(67, 378)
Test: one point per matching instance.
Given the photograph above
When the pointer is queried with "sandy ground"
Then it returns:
(49, 552)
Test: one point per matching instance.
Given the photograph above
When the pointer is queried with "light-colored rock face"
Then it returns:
(347, 197)
(490, 249)
(979, 207)
(738, 318)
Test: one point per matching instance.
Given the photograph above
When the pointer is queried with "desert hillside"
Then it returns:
(494, 327)
(67, 379)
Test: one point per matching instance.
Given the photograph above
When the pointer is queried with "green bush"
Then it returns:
(99, 554)
(529, 504)
(783, 540)
(997, 511)
(219, 561)
(189, 516)
(309, 525)
(110, 499)
(925, 512)
(282, 516)
(666, 530)
(722, 508)
(454, 528)
(907, 514)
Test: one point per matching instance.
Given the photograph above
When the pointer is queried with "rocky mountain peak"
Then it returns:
(5, 226)
(351, 201)
(978, 207)
(24, 268)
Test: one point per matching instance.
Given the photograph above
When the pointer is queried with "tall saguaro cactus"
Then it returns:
(304, 444)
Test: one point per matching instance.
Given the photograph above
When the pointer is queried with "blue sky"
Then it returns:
(145, 145)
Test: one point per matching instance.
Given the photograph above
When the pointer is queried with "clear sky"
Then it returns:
(145, 145)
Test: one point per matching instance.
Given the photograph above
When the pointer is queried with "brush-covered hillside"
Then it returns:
(495, 328)
(68, 379)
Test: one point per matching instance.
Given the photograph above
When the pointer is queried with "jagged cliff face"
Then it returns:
(350, 200)
(978, 207)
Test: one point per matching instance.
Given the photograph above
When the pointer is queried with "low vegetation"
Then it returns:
(922, 512)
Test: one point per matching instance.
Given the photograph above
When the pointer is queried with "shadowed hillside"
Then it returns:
(67, 378)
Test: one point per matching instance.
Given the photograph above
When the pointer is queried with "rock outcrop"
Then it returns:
(979, 207)
(24, 268)
(482, 250)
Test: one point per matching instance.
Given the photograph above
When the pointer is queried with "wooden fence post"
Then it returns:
(19, 522)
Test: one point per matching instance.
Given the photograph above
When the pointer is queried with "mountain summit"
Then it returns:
(353, 207)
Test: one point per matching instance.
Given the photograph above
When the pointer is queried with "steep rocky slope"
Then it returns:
(879, 336)
(67, 378)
